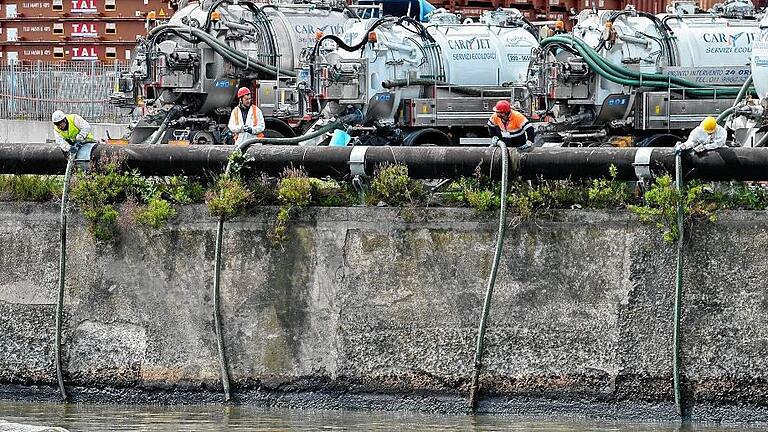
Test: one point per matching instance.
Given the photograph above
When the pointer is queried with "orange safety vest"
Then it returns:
(255, 119)
(516, 122)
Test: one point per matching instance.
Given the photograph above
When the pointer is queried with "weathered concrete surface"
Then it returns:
(378, 308)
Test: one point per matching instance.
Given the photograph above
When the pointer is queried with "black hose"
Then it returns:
(214, 6)
(239, 59)
(352, 13)
(342, 44)
(666, 32)
(62, 273)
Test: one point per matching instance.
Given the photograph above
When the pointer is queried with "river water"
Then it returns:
(97, 417)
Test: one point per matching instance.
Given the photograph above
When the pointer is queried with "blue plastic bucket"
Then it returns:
(340, 138)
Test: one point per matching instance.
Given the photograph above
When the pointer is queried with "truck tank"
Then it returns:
(646, 72)
(445, 74)
(188, 69)
(759, 60)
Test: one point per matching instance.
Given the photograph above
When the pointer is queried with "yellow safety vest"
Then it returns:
(71, 133)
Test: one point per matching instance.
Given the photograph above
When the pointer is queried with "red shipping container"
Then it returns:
(23, 9)
(119, 51)
(650, 6)
(54, 31)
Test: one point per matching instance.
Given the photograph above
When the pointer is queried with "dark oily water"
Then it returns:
(96, 417)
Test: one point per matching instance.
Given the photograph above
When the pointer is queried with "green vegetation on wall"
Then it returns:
(111, 197)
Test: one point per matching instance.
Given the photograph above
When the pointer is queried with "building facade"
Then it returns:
(73, 30)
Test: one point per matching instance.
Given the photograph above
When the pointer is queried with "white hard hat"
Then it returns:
(57, 116)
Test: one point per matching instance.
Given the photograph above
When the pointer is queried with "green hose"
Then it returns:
(62, 272)
(742, 92)
(725, 114)
(624, 76)
(678, 286)
(491, 278)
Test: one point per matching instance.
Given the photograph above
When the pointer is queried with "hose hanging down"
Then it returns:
(243, 147)
(62, 271)
(473, 387)
(217, 295)
(678, 285)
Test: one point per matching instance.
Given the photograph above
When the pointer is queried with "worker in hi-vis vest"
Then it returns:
(707, 136)
(246, 120)
(70, 129)
(510, 126)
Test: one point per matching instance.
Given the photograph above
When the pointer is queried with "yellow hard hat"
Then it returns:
(709, 124)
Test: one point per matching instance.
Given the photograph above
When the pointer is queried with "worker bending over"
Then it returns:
(70, 129)
(246, 120)
(510, 126)
(707, 136)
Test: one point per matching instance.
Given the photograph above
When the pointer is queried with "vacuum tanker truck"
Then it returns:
(415, 83)
(632, 78)
(185, 72)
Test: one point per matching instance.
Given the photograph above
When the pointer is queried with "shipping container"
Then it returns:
(54, 31)
(650, 6)
(107, 53)
(10, 9)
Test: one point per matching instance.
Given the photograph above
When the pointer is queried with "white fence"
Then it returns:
(33, 91)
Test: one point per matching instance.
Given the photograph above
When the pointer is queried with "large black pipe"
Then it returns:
(423, 162)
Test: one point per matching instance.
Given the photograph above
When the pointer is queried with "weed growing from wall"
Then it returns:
(478, 192)
(609, 193)
(660, 207)
(392, 186)
(156, 213)
(30, 187)
(97, 192)
(293, 192)
(229, 197)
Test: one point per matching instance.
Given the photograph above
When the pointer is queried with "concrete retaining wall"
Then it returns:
(28, 131)
(361, 303)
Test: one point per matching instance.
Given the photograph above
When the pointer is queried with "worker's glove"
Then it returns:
(494, 141)
(526, 146)
(80, 137)
(75, 147)
(248, 129)
(679, 148)
(65, 146)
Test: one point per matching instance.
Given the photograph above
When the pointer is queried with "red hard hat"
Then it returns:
(243, 91)
(502, 106)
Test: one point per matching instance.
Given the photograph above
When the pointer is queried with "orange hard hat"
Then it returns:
(243, 91)
(502, 106)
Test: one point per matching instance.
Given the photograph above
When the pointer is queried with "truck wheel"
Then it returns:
(428, 136)
(278, 128)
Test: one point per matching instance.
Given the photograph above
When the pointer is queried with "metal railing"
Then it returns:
(32, 91)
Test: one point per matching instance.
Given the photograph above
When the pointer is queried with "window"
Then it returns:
(127, 54)
(58, 52)
(111, 28)
(12, 35)
(109, 5)
(57, 5)
(111, 52)
(58, 28)
(10, 11)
